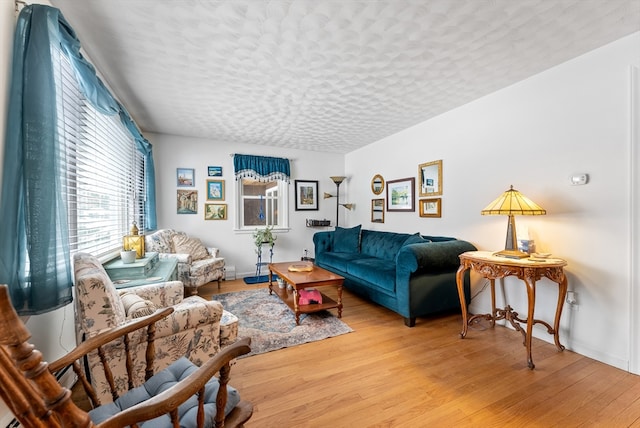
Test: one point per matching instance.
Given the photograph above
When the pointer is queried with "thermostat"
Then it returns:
(579, 179)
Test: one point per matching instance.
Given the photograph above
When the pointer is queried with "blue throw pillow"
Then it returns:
(346, 240)
(416, 238)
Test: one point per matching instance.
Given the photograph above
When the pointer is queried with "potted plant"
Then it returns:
(264, 236)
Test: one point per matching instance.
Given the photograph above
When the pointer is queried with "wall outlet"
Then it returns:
(572, 300)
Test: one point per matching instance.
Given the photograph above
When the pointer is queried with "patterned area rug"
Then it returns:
(271, 324)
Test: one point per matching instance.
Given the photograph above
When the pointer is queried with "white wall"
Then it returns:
(171, 152)
(533, 135)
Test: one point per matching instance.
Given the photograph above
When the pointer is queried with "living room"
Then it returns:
(580, 116)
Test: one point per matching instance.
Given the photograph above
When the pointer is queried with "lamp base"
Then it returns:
(512, 254)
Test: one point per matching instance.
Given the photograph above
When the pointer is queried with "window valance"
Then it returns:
(262, 168)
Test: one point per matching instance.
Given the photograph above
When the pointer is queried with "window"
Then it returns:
(262, 203)
(102, 170)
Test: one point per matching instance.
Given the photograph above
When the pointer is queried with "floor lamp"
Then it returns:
(338, 180)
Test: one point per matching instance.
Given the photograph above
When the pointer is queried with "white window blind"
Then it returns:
(102, 172)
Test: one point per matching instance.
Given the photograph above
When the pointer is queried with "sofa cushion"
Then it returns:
(189, 245)
(336, 261)
(162, 381)
(416, 238)
(382, 245)
(347, 240)
(381, 273)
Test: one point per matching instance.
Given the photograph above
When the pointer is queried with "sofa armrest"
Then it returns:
(431, 256)
(163, 294)
(181, 257)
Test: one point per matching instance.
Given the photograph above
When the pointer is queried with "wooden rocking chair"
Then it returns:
(29, 387)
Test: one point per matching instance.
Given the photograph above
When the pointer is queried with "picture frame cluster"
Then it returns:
(187, 194)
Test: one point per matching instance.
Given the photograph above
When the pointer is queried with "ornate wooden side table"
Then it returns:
(529, 271)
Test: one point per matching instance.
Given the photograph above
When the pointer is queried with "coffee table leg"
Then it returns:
(296, 307)
(340, 301)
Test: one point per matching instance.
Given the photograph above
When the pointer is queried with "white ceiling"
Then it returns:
(326, 75)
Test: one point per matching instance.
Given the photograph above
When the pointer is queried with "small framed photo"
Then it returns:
(430, 207)
(187, 202)
(377, 210)
(306, 195)
(401, 195)
(214, 171)
(215, 211)
(215, 190)
(186, 177)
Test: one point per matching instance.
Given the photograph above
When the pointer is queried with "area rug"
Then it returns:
(271, 324)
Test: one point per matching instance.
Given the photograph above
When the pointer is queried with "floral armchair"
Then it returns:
(197, 328)
(197, 265)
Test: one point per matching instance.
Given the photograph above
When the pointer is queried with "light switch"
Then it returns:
(579, 179)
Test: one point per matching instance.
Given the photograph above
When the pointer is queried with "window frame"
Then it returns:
(283, 210)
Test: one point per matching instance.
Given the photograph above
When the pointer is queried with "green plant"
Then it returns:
(264, 236)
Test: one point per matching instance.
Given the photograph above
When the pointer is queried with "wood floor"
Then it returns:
(387, 375)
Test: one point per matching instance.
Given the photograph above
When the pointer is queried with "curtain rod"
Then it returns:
(233, 154)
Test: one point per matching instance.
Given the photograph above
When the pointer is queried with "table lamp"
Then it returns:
(338, 180)
(134, 241)
(511, 203)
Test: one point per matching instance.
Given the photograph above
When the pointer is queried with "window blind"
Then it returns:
(102, 172)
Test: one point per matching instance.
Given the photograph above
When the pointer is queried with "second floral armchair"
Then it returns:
(197, 264)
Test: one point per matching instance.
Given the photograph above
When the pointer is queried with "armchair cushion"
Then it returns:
(162, 381)
(186, 244)
(135, 306)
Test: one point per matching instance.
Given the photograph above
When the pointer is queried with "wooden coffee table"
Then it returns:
(299, 280)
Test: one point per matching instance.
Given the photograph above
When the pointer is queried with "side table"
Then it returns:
(529, 271)
(163, 270)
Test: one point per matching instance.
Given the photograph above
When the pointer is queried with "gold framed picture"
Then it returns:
(430, 207)
(215, 211)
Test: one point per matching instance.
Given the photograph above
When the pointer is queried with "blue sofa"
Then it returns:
(412, 275)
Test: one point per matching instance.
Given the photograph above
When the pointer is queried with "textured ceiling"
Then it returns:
(326, 75)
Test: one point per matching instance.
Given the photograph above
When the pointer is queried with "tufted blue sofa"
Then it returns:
(413, 275)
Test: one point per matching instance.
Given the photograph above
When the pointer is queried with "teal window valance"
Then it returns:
(262, 168)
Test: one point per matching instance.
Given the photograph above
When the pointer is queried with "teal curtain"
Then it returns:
(34, 244)
(262, 168)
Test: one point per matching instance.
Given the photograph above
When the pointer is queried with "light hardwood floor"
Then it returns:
(387, 375)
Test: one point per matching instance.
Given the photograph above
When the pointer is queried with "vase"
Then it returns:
(128, 256)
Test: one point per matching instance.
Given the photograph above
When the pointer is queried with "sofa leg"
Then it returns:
(410, 322)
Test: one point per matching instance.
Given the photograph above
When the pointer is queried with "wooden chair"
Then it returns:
(29, 387)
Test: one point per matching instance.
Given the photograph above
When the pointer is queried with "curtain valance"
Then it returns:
(262, 168)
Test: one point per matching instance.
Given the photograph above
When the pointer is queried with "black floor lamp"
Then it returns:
(338, 180)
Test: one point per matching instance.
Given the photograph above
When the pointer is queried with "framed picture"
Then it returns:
(430, 176)
(377, 184)
(214, 171)
(215, 211)
(306, 195)
(430, 207)
(186, 177)
(377, 210)
(187, 202)
(215, 190)
(401, 195)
